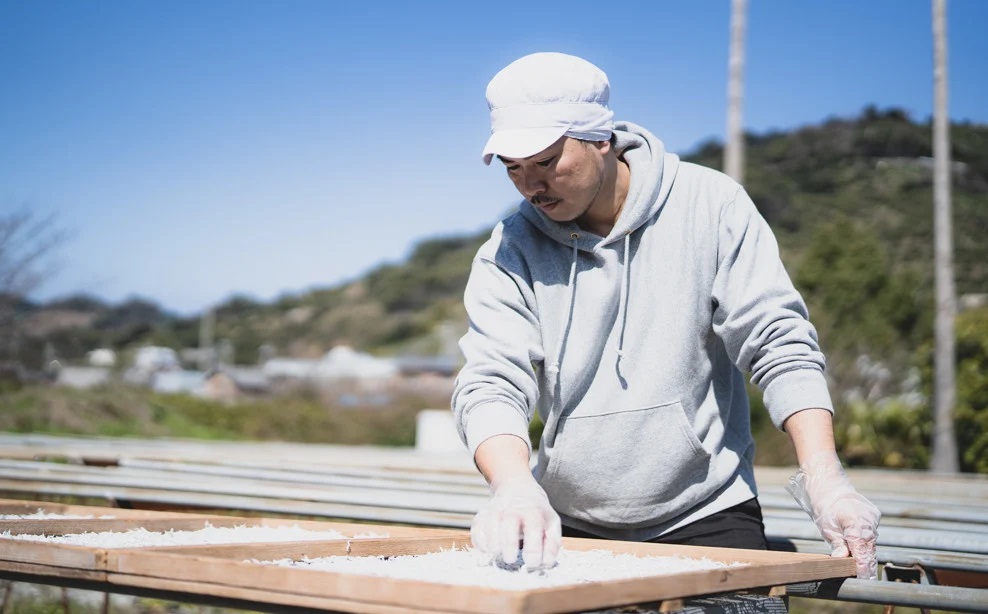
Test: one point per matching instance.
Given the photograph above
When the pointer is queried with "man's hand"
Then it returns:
(518, 511)
(846, 519)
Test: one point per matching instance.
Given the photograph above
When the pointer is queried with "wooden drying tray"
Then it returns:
(225, 572)
(89, 562)
(23, 507)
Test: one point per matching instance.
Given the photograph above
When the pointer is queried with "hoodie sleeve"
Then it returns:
(761, 317)
(496, 391)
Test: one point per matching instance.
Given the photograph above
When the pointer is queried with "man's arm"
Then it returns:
(494, 400)
(503, 458)
(846, 519)
(811, 432)
(765, 327)
(518, 511)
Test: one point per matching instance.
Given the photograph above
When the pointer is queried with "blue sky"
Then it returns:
(197, 149)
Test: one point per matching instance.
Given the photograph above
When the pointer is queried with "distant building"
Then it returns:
(343, 362)
(966, 302)
(101, 357)
(289, 368)
(150, 361)
(82, 377)
(230, 384)
(219, 386)
(154, 358)
(178, 382)
(420, 365)
(204, 358)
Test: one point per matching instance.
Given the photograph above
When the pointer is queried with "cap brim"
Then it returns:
(521, 142)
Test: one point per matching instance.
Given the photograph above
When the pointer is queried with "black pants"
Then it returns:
(736, 527)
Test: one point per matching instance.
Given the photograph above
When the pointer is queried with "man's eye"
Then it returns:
(545, 163)
(512, 169)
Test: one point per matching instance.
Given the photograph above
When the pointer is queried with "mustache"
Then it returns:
(541, 199)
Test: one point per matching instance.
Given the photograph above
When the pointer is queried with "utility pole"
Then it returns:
(944, 454)
(207, 349)
(734, 148)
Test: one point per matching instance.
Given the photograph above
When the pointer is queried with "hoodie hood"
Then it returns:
(652, 174)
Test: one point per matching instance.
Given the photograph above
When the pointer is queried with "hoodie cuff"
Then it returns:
(795, 391)
(492, 419)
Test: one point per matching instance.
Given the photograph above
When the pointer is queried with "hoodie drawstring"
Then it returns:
(623, 298)
(553, 369)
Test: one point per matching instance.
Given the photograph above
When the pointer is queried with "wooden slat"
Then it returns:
(34, 569)
(194, 522)
(354, 529)
(581, 597)
(21, 507)
(55, 555)
(178, 589)
(131, 560)
(58, 526)
(722, 555)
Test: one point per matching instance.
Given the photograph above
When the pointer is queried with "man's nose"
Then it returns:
(533, 183)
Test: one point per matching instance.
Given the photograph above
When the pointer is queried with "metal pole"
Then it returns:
(944, 454)
(952, 598)
(207, 348)
(734, 148)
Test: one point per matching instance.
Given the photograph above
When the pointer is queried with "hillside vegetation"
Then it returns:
(850, 200)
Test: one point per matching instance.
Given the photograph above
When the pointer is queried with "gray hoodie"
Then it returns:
(632, 346)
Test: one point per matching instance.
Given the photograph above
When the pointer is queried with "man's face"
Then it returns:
(562, 180)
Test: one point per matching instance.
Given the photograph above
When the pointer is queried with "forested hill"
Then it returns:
(876, 172)
(850, 200)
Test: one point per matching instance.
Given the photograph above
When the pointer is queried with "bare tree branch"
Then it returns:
(27, 246)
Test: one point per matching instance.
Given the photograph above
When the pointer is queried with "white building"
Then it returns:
(101, 357)
(82, 377)
(155, 358)
(178, 382)
(343, 362)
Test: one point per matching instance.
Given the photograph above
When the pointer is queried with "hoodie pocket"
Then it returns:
(627, 469)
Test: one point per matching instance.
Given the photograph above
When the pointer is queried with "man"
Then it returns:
(623, 301)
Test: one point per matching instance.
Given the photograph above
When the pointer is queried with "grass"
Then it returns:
(120, 410)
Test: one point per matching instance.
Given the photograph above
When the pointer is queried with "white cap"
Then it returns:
(541, 97)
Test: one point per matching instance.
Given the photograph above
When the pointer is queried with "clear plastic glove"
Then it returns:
(846, 519)
(518, 512)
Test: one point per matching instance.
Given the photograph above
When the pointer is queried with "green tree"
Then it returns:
(971, 411)
(971, 407)
(863, 304)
